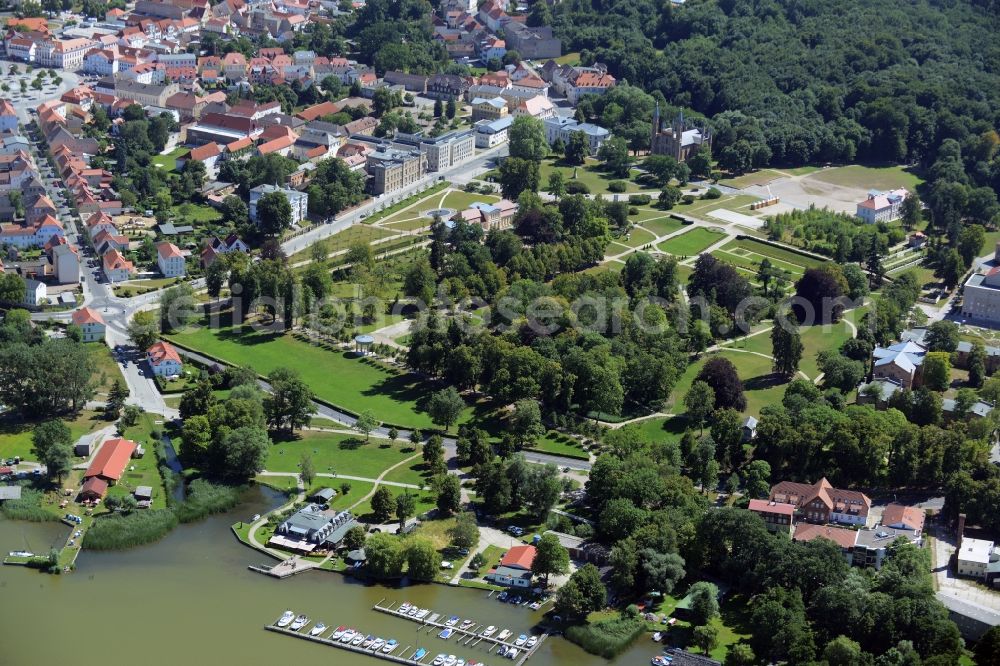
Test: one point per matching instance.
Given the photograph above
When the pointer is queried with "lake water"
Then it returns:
(190, 599)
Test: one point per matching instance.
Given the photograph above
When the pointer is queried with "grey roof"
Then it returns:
(171, 229)
(882, 536)
(358, 555)
(144, 491)
(981, 408)
(750, 422)
(965, 347)
(10, 492)
(682, 658)
(966, 609)
(494, 126)
(907, 355)
(510, 572)
(887, 387)
(325, 494)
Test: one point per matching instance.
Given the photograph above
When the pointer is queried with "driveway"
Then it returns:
(950, 587)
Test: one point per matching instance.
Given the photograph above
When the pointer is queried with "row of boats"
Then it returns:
(342, 634)
(510, 597)
(455, 622)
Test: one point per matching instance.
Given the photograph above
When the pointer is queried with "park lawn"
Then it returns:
(659, 429)
(614, 248)
(415, 209)
(106, 369)
(661, 226)
(559, 444)
(636, 238)
(701, 208)
(391, 210)
(413, 472)
(589, 174)
(168, 162)
(817, 338)
(760, 385)
(461, 200)
(411, 224)
(990, 241)
(334, 453)
(690, 242)
(334, 375)
(749, 179)
(15, 436)
(870, 177)
(425, 501)
(775, 253)
(381, 321)
(925, 275)
(343, 240)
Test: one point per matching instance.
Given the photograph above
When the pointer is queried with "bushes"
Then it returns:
(576, 187)
(688, 198)
(638, 199)
(29, 507)
(117, 532)
(607, 638)
(712, 193)
(205, 498)
(616, 186)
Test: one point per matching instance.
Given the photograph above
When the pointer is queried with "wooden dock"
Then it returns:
(399, 659)
(471, 636)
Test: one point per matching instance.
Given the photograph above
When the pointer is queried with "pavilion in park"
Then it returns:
(363, 344)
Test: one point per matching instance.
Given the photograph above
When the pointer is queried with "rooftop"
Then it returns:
(975, 550)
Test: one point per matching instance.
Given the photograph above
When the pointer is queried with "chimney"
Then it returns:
(960, 530)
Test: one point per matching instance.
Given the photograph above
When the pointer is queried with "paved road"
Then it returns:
(458, 174)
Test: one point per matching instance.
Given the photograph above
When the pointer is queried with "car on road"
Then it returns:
(515, 530)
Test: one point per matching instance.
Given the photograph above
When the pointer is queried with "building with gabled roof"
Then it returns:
(169, 259)
(90, 322)
(777, 516)
(111, 459)
(116, 267)
(901, 362)
(882, 206)
(822, 503)
(164, 359)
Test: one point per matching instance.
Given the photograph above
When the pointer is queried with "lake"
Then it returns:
(190, 598)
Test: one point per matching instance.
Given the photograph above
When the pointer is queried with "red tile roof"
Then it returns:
(842, 537)
(87, 316)
(167, 250)
(909, 516)
(519, 556)
(162, 351)
(772, 507)
(111, 459)
(208, 151)
(95, 486)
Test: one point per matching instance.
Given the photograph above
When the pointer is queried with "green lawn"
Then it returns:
(425, 500)
(759, 384)
(15, 436)
(334, 375)
(690, 242)
(168, 162)
(814, 340)
(755, 178)
(701, 208)
(143, 471)
(660, 429)
(462, 200)
(661, 226)
(138, 287)
(637, 238)
(337, 454)
(491, 557)
(868, 177)
(410, 224)
(774, 253)
(196, 212)
(559, 444)
(732, 624)
(358, 233)
(106, 369)
(589, 174)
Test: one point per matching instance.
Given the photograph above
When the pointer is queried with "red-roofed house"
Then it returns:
(93, 489)
(777, 517)
(841, 536)
(317, 111)
(903, 517)
(822, 503)
(91, 323)
(116, 267)
(515, 567)
(209, 156)
(110, 461)
(164, 359)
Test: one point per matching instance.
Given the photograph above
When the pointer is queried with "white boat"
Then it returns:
(502, 596)
(512, 653)
(285, 619)
(450, 660)
(389, 646)
(460, 662)
(452, 621)
(318, 629)
(348, 636)
(338, 633)
(422, 613)
(412, 611)
(377, 644)
(438, 660)
(403, 608)
(520, 640)
(489, 631)
(532, 641)
(299, 622)
(465, 625)
(359, 638)
(657, 637)
(446, 633)
(503, 635)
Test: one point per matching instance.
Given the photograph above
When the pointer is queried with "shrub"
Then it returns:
(576, 187)
(616, 186)
(607, 638)
(205, 498)
(639, 199)
(688, 198)
(29, 508)
(118, 532)
(712, 193)
(632, 210)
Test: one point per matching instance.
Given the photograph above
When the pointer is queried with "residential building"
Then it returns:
(872, 546)
(488, 108)
(415, 83)
(589, 83)
(489, 216)
(777, 516)
(904, 517)
(65, 263)
(35, 293)
(299, 201)
(515, 567)
(974, 557)
(539, 106)
(393, 169)
(111, 459)
(8, 117)
(882, 206)
(447, 86)
(490, 133)
(170, 260)
(901, 362)
(91, 323)
(681, 140)
(164, 359)
(981, 298)
(562, 129)
(313, 528)
(822, 503)
(442, 151)
(841, 536)
(116, 267)
(33, 233)
(532, 43)
(209, 155)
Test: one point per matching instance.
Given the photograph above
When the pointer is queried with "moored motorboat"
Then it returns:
(438, 660)
(318, 629)
(422, 613)
(299, 622)
(367, 642)
(512, 653)
(377, 644)
(659, 661)
(419, 654)
(504, 635)
(489, 631)
(446, 633)
(452, 621)
(348, 636)
(389, 646)
(465, 625)
(532, 641)
(450, 660)
(358, 639)
(403, 608)
(338, 633)
(285, 619)
(502, 651)
(520, 640)
(502, 596)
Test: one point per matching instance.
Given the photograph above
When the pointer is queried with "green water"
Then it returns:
(190, 599)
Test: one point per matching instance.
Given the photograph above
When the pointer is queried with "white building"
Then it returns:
(164, 360)
(8, 117)
(564, 128)
(91, 323)
(170, 260)
(299, 201)
(981, 298)
(882, 206)
(65, 264)
(35, 292)
(974, 557)
(491, 133)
